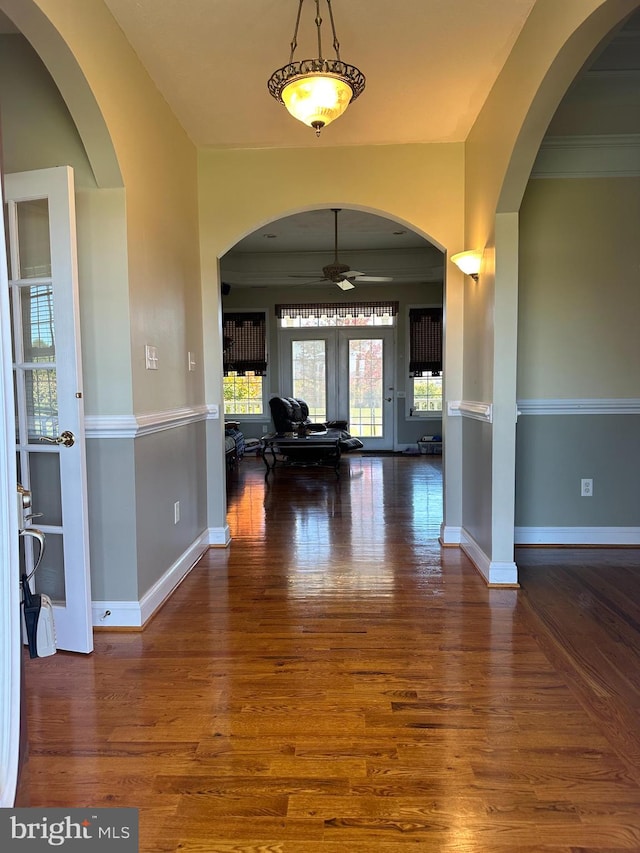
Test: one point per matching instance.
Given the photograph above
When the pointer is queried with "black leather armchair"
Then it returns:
(288, 413)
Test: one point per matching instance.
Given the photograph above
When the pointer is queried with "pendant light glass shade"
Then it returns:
(317, 100)
(316, 91)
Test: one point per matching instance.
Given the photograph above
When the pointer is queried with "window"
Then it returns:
(323, 314)
(245, 362)
(427, 392)
(243, 394)
(425, 360)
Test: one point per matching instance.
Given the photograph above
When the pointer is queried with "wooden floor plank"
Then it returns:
(336, 682)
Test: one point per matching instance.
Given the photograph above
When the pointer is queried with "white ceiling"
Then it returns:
(293, 250)
(429, 65)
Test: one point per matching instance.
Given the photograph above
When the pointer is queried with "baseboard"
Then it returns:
(496, 573)
(450, 536)
(219, 537)
(577, 536)
(134, 614)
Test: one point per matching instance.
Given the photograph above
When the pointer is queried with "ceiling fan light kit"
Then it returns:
(316, 91)
(341, 274)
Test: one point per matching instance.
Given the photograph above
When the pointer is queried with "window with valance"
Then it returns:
(425, 341)
(337, 314)
(244, 348)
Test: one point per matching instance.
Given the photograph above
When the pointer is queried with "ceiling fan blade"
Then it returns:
(379, 278)
(345, 284)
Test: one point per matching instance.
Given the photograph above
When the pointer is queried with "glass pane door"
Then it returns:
(343, 374)
(49, 414)
(365, 384)
(34, 345)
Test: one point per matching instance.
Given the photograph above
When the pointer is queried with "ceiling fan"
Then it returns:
(341, 274)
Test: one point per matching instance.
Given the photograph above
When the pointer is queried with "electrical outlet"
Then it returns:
(586, 487)
(176, 512)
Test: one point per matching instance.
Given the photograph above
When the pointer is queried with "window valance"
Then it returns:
(425, 340)
(337, 309)
(244, 342)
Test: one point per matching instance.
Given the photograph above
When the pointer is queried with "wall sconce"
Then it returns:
(469, 262)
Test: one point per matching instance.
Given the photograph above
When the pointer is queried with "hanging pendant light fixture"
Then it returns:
(316, 91)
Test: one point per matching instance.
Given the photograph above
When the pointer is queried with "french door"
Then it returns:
(43, 291)
(343, 374)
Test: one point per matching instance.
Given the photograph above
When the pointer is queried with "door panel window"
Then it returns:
(44, 478)
(309, 375)
(366, 387)
(41, 403)
(34, 247)
(38, 339)
(49, 578)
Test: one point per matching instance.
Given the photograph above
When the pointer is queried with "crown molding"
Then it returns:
(614, 155)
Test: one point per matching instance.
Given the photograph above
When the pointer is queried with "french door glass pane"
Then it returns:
(365, 387)
(309, 366)
(44, 480)
(5, 212)
(38, 338)
(41, 396)
(50, 575)
(15, 397)
(33, 238)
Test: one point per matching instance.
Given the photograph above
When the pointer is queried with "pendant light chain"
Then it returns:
(319, 27)
(336, 43)
(294, 40)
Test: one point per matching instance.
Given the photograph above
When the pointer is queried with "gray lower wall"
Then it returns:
(476, 495)
(553, 454)
(170, 466)
(112, 519)
(133, 485)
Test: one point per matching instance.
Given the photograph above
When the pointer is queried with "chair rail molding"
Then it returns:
(471, 409)
(610, 406)
(135, 426)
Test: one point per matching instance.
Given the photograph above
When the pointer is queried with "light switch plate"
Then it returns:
(150, 357)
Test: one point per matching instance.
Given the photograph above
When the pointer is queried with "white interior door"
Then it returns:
(344, 374)
(50, 442)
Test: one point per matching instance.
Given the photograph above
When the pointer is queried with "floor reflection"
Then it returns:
(342, 532)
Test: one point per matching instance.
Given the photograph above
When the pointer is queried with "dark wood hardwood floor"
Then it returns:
(336, 682)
